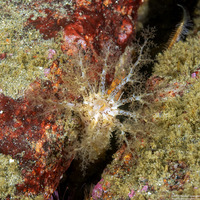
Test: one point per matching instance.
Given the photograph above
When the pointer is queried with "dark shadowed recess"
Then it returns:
(76, 183)
(164, 16)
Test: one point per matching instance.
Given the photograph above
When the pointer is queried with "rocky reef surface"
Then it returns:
(59, 62)
(72, 87)
(162, 161)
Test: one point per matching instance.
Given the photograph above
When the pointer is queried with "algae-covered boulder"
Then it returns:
(164, 160)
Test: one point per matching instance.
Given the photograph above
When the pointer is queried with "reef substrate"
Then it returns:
(38, 133)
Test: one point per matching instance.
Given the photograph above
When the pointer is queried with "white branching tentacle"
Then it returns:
(127, 114)
(128, 77)
(130, 99)
(83, 68)
(121, 85)
(103, 80)
(140, 54)
(83, 71)
(104, 71)
(126, 141)
(119, 100)
(70, 105)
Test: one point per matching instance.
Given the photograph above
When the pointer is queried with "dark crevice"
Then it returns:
(76, 183)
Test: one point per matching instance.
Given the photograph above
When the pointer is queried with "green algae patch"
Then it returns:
(171, 161)
(26, 52)
(10, 176)
(166, 145)
(179, 62)
(196, 19)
